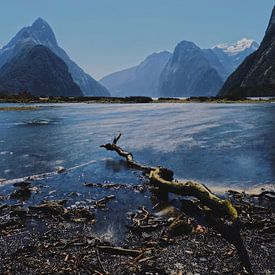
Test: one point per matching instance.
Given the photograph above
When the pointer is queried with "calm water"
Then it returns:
(218, 144)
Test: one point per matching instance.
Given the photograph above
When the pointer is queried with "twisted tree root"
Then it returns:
(163, 179)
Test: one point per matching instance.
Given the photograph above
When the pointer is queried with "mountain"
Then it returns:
(37, 70)
(189, 73)
(256, 75)
(144, 78)
(40, 33)
(216, 63)
(141, 80)
(231, 55)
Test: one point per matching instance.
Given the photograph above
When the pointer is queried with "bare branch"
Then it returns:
(163, 179)
(116, 139)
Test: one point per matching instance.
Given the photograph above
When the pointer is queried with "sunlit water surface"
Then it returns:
(221, 145)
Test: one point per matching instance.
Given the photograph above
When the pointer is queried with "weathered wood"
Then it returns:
(163, 178)
(119, 251)
(265, 194)
(194, 189)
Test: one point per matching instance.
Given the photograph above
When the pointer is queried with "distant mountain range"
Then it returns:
(141, 80)
(256, 75)
(40, 33)
(189, 71)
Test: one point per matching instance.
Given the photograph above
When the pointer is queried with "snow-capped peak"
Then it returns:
(239, 46)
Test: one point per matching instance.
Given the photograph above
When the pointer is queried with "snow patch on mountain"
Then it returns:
(238, 47)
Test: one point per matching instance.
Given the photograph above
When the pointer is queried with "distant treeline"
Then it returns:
(21, 97)
(28, 98)
(203, 99)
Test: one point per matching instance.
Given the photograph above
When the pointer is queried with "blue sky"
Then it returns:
(103, 36)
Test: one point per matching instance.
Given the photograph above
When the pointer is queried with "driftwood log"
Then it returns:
(162, 178)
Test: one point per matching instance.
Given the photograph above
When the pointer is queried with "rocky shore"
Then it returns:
(178, 235)
(53, 238)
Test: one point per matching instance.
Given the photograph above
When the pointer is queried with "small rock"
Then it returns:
(60, 170)
(202, 259)
(22, 184)
(180, 227)
(22, 194)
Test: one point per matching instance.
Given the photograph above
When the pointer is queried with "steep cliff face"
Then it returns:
(40, 33)
(37, 70)
(216, 63)
(141, 80)
(256, 75)
(189, 73)
(231, 55)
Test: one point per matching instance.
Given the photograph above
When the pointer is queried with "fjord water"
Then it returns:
(221, 145)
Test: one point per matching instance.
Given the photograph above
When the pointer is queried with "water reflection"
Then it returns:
(116, 165)
(219, 145)
(205, 142)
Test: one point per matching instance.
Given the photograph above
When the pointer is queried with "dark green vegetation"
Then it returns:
(233, 99)
(28, 98)
(256, 75)
(18, 98)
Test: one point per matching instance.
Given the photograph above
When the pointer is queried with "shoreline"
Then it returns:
(29, 99)
(41, 229)
(165, 239)
(180, 101)
(172, 235)
(19, 108)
